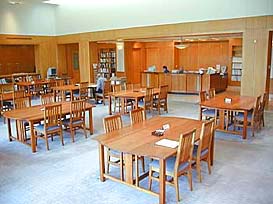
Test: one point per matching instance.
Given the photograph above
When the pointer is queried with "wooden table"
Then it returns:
(137, 140)
(30, 84)
(238, 103)
(129, 94)
(34, 114)
(64, 88)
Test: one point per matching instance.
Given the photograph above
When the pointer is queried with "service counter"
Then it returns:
(190, 82)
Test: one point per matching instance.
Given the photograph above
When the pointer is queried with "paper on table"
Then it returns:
(167, 143)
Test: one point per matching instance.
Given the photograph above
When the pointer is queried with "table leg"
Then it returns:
(122, 105)
(32, 136)
(162, 181)
(245, 125)
(9, 129)
(102, 162)
(110, 105)
(128, 160)
(54, 95)
(221, 119)
(91, 128)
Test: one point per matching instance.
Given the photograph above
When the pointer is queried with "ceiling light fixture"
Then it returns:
(15, 2)
(181, 45)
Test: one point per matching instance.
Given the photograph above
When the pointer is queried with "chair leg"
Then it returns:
(143, 163)
(47, 146)
(176, 188)
(189, 174)
(108, 161)
(198, 169)
(121, 166)
(209, 164)
(84, 130)
(62, 138)
(150, 179)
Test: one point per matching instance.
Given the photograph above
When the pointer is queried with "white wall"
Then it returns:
(27, 19)
(43, 19)
(110, 14)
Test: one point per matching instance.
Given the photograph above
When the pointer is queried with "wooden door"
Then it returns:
(72, 59)
(269, 74)
(137, 65)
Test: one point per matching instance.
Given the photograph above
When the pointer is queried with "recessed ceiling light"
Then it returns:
(15, 2)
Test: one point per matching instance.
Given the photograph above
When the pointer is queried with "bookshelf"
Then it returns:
(107, 61)
(236, 64)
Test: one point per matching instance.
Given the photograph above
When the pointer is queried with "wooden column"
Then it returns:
(84, 60)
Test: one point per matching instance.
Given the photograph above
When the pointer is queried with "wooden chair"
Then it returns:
(83, 91)
(22, 126)
(148, 99)
(117, 103)
(202, 151)
(211, 93)
(177, 165)
(262, 107)
(52, 124)
(253, 117)
(105, 93)
(162, 100)
(47, 99)
(207, 113)
(60, 95)
(77, 118)
(112, 123)
(138, 116)
(129, 86)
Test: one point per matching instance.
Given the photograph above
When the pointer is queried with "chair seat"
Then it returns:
(41, 129)
(240, 116)
(74, 122)
(203, 152)
(170, 162)
(209, 112)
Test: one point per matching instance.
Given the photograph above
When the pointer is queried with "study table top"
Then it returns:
(138, 140)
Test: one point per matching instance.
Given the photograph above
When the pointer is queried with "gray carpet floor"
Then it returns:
(242, 172)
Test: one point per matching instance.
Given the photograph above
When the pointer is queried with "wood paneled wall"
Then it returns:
(16, 59)
(202, 55)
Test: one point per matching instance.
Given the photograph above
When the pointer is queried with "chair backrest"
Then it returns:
(185, 148)
(116, 88)
(20, 103)
(84, 84)
(149, 95)
(202, 96)
(53, 115)
(112, 123)
(163, 94)
(263, 102)
(129, 86)
(19, 94)
(205, 136)
(137, 115)
(59, 82)
(107, 87)
(211, 93)
(47, 99)
(136, 86)
(77, 110)
(256, 110)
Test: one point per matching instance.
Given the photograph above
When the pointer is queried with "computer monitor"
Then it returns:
(51, 72)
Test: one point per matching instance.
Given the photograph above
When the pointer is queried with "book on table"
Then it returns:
(167, 143)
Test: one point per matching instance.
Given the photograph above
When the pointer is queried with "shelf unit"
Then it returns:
(107, 61)
(236, 64)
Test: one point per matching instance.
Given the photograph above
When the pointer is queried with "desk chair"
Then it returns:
(112, 123)
(162, 100)
(52, 124)
(177, 165)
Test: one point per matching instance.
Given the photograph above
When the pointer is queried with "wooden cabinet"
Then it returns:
(193, 83)
(178, 83)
